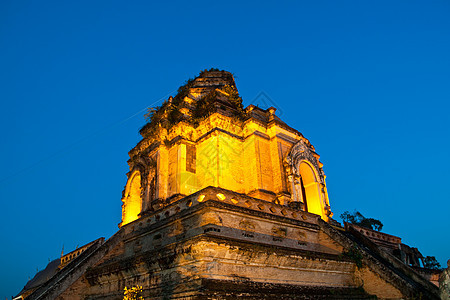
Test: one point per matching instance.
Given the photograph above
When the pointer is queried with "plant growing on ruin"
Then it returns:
(169, 112)
(430, 262)
(358, 219)
(204, 107)
(354, 254)
(235, 100)
(133, 293)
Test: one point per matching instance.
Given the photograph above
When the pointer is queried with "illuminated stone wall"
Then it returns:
(249, 156)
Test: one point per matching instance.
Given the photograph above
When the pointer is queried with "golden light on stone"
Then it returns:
(221, 150)
(219, 200)
(221, 196)
(132, 202)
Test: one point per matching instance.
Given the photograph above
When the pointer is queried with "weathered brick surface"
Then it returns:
(180, 254)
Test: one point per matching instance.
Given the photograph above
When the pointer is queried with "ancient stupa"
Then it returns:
(223, 202)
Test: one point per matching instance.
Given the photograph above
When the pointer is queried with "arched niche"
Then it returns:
(310, 188)
(132, 200)
(307, 180)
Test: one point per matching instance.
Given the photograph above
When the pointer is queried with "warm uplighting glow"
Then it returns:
(313, 201)
(133, 293)
(240, 154)
(219, 163)
(132, 201)
(221, 196)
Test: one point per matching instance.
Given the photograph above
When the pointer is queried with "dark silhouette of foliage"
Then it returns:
(169, 114)
(430, 262)
(358, 219)
(205, 106)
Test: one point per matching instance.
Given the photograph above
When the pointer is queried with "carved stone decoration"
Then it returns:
(146, 166)
(299, 152)
(297, 205)
(247, 225)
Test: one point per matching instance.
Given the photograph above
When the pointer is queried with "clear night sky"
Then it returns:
(367, 82)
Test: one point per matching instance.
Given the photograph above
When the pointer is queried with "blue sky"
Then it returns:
(367, 82)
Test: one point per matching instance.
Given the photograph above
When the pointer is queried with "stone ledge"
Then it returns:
(168, 252)
(387, 266)
(244, 289)
(219, 197)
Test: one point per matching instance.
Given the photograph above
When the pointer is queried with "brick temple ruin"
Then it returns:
(226, 202)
